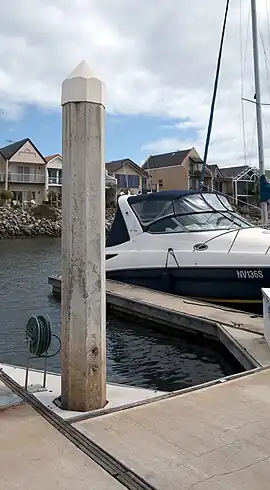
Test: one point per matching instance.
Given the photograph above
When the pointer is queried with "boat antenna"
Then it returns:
(264, 184)
(210, 123)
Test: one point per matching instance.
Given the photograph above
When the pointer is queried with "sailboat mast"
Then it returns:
(264, 211)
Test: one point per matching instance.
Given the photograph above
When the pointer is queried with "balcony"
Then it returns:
(25, 178)
(55, 180)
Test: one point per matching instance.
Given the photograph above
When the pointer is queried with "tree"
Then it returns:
(7, 196)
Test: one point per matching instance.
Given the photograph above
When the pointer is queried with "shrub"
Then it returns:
(44, 211)
(7, 195)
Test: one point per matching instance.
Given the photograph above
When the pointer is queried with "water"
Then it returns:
(136, 354)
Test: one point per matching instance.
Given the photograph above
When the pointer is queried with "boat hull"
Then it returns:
(232, 287)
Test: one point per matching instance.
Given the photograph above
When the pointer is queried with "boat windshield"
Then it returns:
(195, 212)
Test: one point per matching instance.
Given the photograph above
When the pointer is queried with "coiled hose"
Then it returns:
(39, 336)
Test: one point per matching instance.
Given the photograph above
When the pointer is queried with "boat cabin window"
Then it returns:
(149, 211)
(194, 212)
(197, 222)
(197, 204)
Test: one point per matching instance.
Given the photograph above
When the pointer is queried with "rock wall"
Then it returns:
(16, 222)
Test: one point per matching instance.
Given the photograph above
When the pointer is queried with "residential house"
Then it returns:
(23, 171)
(31, 176)
(244, 180)
(129, 175)
(54, 175)
(221, 183)
(110, 190)
(177, 170)
(54, 171)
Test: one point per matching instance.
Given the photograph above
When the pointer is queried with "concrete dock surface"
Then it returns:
(215, 438)
(34, 455)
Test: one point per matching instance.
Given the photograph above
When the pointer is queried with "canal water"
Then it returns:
(136, 355)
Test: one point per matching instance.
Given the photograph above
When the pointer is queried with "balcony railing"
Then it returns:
(26, 178)
(55, 180)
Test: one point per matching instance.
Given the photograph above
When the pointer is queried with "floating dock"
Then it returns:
(215, 437)
(37, 455)
(241, 333)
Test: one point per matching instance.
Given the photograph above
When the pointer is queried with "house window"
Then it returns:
(18, 196)
(134, 181)
(195, 184)
(52, 173)
(33, 195)
(160, 184)
(127, 181)
(23, 173)
(27, 195)
(122, 181)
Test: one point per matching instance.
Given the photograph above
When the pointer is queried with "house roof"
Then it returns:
(234, 171)
(213, 167)
(166, 159)
(117, 164)
(51, 157)
(10, 150)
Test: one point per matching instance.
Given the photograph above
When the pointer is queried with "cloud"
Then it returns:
(155, 58)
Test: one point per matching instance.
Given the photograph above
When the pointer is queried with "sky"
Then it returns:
(157, 60)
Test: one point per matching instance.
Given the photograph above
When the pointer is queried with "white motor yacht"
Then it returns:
(191, 244)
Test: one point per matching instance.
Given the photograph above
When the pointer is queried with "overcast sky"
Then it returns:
(156, 57)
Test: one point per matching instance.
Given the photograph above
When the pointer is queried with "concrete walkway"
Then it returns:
(34, 455)
(214, 438)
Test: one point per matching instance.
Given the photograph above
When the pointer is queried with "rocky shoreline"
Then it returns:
(36, 221)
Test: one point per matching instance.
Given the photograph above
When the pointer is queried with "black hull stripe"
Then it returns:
(212, 284)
